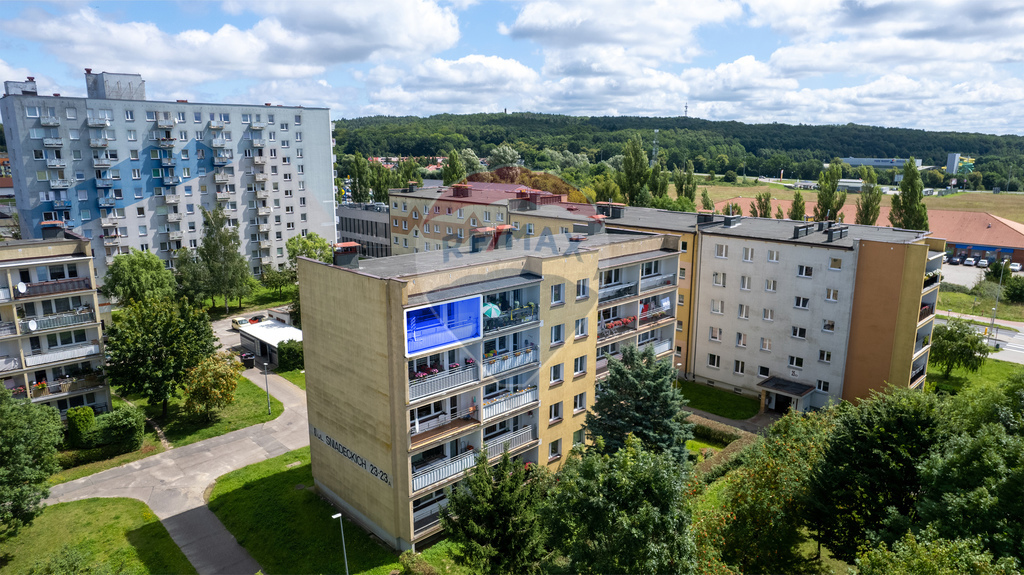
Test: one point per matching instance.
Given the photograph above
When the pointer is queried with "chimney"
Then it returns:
(412, 186)
(461, 190)
(56, 95)
(31, 78)
(481, 239)
(346, 255)
(88, 70)
(705, 218)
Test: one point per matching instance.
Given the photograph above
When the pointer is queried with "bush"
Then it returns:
(1013, 289)
(730, 176)
(714, 431)
(122, 428)
(290, 356)
(81, 424)
(985, 289)
(953, 288)
(414, 564)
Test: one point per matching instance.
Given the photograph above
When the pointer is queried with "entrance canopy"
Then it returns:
(786, 387)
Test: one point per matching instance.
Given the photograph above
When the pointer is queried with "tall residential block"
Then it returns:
(126, 172)
(51, 333)
(416, 362)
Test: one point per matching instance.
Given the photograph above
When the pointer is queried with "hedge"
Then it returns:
(726, 459)
(114, 433)
(81, 425)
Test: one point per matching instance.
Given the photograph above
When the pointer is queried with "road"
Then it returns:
(1011, 343)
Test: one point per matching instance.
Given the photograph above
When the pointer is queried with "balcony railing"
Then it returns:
(175, 235)
(9, 364)
(258, 125)
(507, 361)
(221, 178)
(602, 363)
(259, 143)
(172, 180)
(615, 327)
(62, 354)
(219, 142)
(109, 222)
(56, 162)
(261, 176)
(101, 162)
(65, 385)
(926, 311)
(54, 287)
(166, 143)
(917, 373)
(97, 142)
(660, 346)
(49, 121)
(168, 162)
(165, 123)
(106, 202)
(617, 291)
(223, 196)
(265, 244)
(442, 381)
(221, 160)
(172, 198)
(264, 211)
(655, 315)
(442, 470)
(57, 321)
(266, 260)
(104, 183)
(262, 194)
(8, 328)
(61, 204)
(509, 441)
(259, 160)
(60, 184)
(929, 282)
(511, 318)
(464, 417)
(509, 402)
(656, 282)
(264, 227)
(53, 142)
(5, 294)
(98, 122)
(174, 216)
(110, 241)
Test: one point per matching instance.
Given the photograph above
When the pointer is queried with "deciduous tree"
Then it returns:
(870, 197)
(705, 201)
(210, 385)
(830, 201)
(312, 246)
(381, 181)
(686, 183)
(227, 269)
(503, 155)
(360, 179)
(927, 553)
(761, 207)
(29, 435)
(277, 280)
(192, 276)
(453, 171)
(779, 215)
(957, 344)
(606, 190)
(908, 210)
(471, 161)
(633, 177)
(797, 210)
(137, 276)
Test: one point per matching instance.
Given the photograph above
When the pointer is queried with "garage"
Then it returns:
(263, 338)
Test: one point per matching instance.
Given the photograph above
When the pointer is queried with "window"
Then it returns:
(762, 371)
(741, 339)
(140, 211)
(739, 367)
(721, 251)
(582, 288)
(557, 292)
(556, 374)
(822, 385)
(579, 365)
(768, 314)
(611, 277)
(831, 294)
(682, 247)
(133, 154)
(554, 449)
(459, 214)
(581, 327)
(804, 271)
(557, 334)
(744, 311)
(773, 256)
(679, 325)
(800, 302)
(578, 437)
(529, 229)
(31, 111)
(745, 283)
(132, 135)
(650, 269)
(682, 273)
(718, 279)
(828, 325)
(143, 231)
(555, 411)
(298, 119)
(716, 306)
(462, 233)
(748, 254)
(771, 285)
(799, 332)
(71, 113)
(824, 356)
(766, 344)
(714, 361)
(715, 334)
(796, 362)
(579, 402)
(835, 264)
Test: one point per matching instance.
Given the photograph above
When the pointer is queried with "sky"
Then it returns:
(940, 65)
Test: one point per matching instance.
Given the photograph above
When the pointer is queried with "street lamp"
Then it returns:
(344, 551)
(266, 381)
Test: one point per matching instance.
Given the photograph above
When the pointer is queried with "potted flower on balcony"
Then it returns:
(453, 365)
(469, 361)
(421, 374)
(18, 392)
(434, 371)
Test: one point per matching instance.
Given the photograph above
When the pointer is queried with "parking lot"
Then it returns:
(963, 275)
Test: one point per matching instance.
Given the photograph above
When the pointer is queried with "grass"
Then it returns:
(965, 303)
(719, 402)
(296, 376)
(994, 371)
(272, 510)
(249, 408)
(260, 299)
(1000, 327)
(115, 535)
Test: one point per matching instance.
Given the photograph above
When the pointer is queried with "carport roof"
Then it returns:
(272, 332)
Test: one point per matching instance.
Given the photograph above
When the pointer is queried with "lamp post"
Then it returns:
(344, 551)
(266, 382)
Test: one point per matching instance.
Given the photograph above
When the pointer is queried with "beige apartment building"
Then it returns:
(416, 362)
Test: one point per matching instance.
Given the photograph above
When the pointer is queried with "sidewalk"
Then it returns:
(1017, 325)
(753, 425)
(173, 483)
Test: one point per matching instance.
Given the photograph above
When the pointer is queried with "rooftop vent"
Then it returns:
(838, 233)
(732, 221)
(461, 191)
(802, 230)
(578, 237)
(705, 218)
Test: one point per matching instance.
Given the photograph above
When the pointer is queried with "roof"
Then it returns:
(635, 258)
(653, 219)
(272, 332)
(782, 231)
(786, 386)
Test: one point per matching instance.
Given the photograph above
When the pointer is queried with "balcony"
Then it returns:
(427, 385)
(65, 354)
(508, 441)
(166, 143)
(922, 344)
(56, 162)
(110, 222)
(264, 227)
(110, 241)
(168, 162)
(109, 260)
(221, 160)
(259, 160)
(101, 162)
(8, 329)
(165, 123)
(174, 216)
(65, 385)
(616, 292)
(931, 281)
(265, 244)
(262, 194)
(57, 321)
(60, 184)
(217, 124)
(264, 211)
(511, 318)
(442, 470)
(601, 367)
(106, 202)
(223, 196)
(261, 177)
(508, 361)
(657, 282)
(660, 346)
(172, 180)
(266, 260)
(926, 312)
(616, 327)
(97, 142)
(259, 143)
(9, 363)
(441, 425)
(219, 142)
(172, 198)
(53, 287)
(510, 402)
(654, 315)
(49, 121)
(97, 122)
(53, 142)
(221, 178)
(175, 235)
(104, 183)
(61, 204)
(918, 375)
(5, 294)
(257, 125)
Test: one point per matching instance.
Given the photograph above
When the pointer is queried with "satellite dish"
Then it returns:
(22, 288)
(32, 325)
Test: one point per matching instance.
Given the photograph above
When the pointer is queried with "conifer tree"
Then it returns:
(870, 197)
(797, 210)
(908, 211)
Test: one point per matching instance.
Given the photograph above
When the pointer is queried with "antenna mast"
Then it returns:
(654, 152)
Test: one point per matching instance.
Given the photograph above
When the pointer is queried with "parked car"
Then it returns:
(954, 261)
(257, 318)
(944, 258)
(238, 322)
(1015, 267)
(983, 263)
(969, 262)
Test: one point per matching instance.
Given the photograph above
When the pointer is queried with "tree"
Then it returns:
(360, 179)
(998, 270)
(732, 209)
(493, 517)
(471, 161)
(210, 385)
(503, 155)
(154, 344)
(729, 177)
(797, 210)
(761, 207)
(634, 175)
(621, 513)
(137, 276)
(957, 344)
(192, 276)
(606, 190)
(779, 215)
(1013, 289)
(277, 280)
(15, 221)
(227, 269)
(927, 553)
(830, 201)
(453, 171)
(870, 198)
(312, 246)
(639, 398)
(686, 183)
(29, 436)
(381, 179)
(408, 171)
(657, 182)
(908, 212)
(705, 201)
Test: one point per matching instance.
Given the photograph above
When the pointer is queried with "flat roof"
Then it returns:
(272, 332)
(635, 258)
(786, 386)
(782, 231)
(653, 219)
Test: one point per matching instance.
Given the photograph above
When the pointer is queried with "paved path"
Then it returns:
(1011, 345)
(173, 483)
(753, 425)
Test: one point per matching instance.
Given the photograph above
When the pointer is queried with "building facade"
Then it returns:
(51, 336)
(493, 345)
(369, 225)
(126, 172)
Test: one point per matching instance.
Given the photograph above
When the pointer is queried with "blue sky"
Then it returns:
(944, 65)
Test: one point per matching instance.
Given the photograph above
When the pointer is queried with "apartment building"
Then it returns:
(492, 344)
(51, 334)
(367, 224)
(126, 172)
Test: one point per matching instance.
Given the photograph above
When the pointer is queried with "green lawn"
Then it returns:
(296, 376)
(718, 401)
(1000, 327)
(273, 511)
(249, 408)
(113, 535)
(260, 299)
(992, 372)
(966, 304)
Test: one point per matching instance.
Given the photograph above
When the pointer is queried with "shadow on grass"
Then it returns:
(155, 549)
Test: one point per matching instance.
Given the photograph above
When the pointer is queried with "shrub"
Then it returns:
(714, 431)
(1013, 289)
(985, 289)
(953, 288)
(81, 424)
(122, 428)
(290, 355)
(414, 564)
(730, 176)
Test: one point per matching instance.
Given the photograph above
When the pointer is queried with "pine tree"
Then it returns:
(797, 210)
(779, 215)
(870, 197)
(908, 211)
